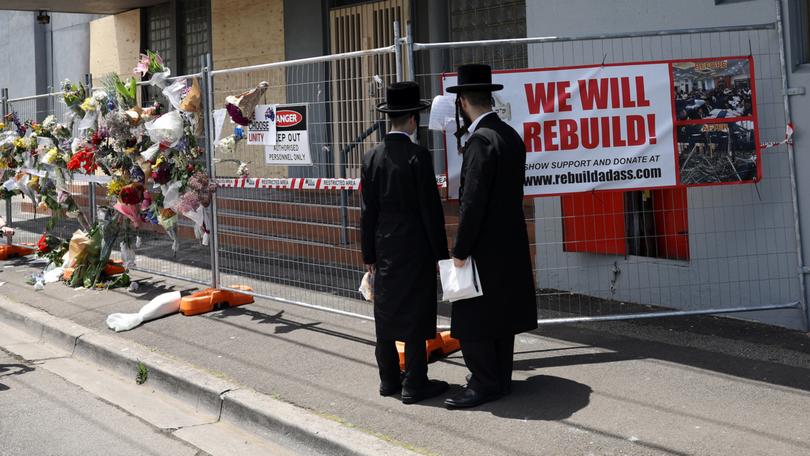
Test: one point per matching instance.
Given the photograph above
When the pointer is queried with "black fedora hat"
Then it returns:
(401, 98)
(474, 77)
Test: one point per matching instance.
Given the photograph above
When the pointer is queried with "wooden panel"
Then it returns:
(355, 93)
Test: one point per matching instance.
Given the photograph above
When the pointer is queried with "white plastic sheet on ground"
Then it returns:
(162, 305)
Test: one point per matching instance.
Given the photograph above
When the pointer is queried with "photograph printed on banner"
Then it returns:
(712, 89)
(716, 153)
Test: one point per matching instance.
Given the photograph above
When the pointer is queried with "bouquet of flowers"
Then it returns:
(52, 248)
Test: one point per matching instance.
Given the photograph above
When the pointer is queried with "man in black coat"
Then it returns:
(403, 237)
(491, 232)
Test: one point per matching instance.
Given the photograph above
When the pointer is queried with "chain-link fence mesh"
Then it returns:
(634, 252)
(302, 244)
(595, 254)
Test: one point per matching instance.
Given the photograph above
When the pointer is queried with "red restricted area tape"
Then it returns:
(301, 183)
(788, 138)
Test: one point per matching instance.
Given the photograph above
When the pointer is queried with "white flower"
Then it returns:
(243, 170)
(49, 122)
(226, 145)
(100, 96)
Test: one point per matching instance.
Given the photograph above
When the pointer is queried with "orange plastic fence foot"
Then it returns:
(214, 299)
(114, 267)
(15, 251)
(441, 345)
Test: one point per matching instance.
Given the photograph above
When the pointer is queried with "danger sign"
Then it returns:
(292, 138)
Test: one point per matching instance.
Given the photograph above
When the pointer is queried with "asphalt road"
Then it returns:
(42, 414)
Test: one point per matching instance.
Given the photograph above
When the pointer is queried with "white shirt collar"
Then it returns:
(400, 132)
(474, 125)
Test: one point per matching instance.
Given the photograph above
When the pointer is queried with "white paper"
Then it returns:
(367, 286)
(219, 122)
(174, 92)
(442, 112)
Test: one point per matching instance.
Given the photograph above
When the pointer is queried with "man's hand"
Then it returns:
(370, 268)
(459, 263)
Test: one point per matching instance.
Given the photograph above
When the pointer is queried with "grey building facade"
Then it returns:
(35, 57)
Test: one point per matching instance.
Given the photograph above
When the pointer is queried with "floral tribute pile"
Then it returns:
(148, 157)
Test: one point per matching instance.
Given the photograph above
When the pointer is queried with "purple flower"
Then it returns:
(136, 174)
(236, 114)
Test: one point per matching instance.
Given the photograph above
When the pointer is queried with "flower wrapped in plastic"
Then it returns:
(131, 194)
(174, 93)
(130, 211)
(202, 187)
(166, 129)
(192, 102)
(84, 161)
(242, 107)
(167, 218)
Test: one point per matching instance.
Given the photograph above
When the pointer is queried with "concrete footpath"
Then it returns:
(702, 386)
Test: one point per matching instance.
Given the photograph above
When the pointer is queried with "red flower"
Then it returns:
(162, 175)
(43, 244)
(131, 194)
(84, 159)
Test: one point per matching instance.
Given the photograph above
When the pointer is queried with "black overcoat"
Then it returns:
(403, 233)
(492, 229)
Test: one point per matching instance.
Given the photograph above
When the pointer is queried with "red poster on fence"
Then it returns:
(629, 126)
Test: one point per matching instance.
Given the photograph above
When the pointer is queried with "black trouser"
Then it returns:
(415, 362)
(490, 362)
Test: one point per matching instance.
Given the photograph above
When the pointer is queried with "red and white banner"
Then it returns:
(591, 128)
(627, 126)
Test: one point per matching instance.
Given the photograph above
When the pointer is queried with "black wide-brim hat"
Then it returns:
(475, 77)
(402, 98)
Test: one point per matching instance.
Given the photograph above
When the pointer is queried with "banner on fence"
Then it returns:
(292, 137)
(613, 127)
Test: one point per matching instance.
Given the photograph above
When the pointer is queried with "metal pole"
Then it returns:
(91, 186)
(794, 190)
(3, 112)
(397, 51)
(208, 91)
(409, 52)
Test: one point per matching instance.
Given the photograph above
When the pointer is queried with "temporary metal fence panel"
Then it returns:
(154, 253)
(735, 246)
(291, 231)
(301, 244)
(28, 220)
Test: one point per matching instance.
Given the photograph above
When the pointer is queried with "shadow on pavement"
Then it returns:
(714, 358)
(538, 398)
(7, 370)
(284, 325)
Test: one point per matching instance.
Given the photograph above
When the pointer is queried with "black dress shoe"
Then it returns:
(430, 389)
(390, 389)
(468, 398)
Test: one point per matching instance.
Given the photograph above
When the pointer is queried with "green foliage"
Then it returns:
(142, 375)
